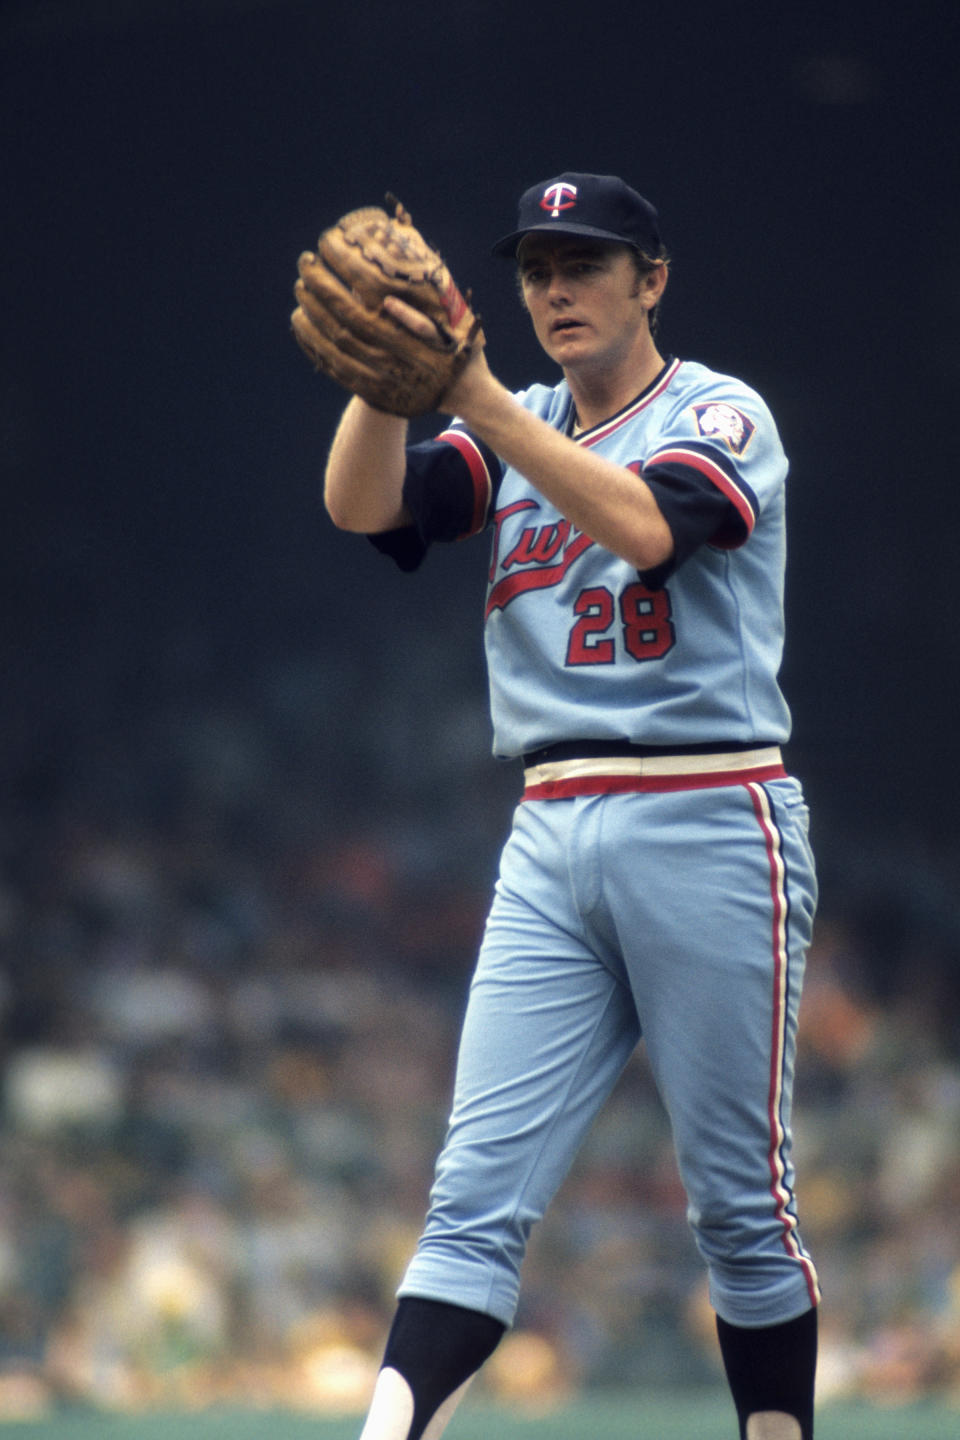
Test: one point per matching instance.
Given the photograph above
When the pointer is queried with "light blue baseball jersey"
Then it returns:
(580, 646)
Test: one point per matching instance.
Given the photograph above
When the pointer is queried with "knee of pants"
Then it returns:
(759, 1271)
(491, 1231)
(720, 1232)
(751, 1242)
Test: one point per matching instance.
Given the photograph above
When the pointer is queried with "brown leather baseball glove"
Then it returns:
(341, 325)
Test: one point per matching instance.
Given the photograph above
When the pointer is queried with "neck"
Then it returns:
(599, 394)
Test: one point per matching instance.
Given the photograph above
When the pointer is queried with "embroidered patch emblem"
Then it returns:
(725, 422)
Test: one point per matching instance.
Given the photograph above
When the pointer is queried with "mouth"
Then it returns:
(565, 326)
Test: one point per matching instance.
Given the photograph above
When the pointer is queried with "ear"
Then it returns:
(653, 283)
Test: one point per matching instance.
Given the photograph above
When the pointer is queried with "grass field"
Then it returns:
(620, 1417)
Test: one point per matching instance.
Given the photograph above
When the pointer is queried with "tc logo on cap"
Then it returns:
(560, 196)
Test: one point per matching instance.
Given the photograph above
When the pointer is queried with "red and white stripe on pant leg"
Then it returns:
(782, 1195)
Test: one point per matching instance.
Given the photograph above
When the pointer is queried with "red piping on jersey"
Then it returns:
(646, 784)
(591, 437)
(779, 1190)
(678, 455)
(479, 475)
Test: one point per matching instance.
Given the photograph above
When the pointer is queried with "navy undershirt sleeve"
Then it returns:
(695, 511)
(404, 546)
(439, 493)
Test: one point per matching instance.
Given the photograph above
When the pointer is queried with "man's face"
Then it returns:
(586, 299)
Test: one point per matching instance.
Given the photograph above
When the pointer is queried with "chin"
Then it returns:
(568, 350)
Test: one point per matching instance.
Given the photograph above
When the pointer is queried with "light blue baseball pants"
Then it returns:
(683, 918)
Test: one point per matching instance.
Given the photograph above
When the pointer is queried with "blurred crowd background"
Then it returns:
(248, 817)
(237, 928)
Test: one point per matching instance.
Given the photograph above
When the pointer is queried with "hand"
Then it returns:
(457, 399)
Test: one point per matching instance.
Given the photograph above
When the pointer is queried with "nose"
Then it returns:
(558, 291)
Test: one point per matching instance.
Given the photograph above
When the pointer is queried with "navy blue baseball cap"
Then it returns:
(600, 206)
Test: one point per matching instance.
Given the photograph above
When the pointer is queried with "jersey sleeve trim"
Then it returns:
(708, 463)
(449, 490)
(478, 458)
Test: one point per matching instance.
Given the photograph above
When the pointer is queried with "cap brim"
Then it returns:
(508, 245)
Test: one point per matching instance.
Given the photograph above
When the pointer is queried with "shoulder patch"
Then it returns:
(718, 420)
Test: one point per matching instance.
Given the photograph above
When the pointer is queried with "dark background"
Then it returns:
(248, 815)
(162, 438)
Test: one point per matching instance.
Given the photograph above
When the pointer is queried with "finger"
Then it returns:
(411, 318)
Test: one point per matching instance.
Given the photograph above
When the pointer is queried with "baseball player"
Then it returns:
(658, 881)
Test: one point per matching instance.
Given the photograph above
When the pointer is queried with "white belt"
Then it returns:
(630, 771)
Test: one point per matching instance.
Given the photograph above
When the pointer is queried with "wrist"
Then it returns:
(474, 392)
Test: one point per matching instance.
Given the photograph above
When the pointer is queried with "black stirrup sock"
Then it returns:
(436, 1347)
(772, 1368)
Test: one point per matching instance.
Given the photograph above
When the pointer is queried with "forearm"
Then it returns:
(363, 482)
(611, 504)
